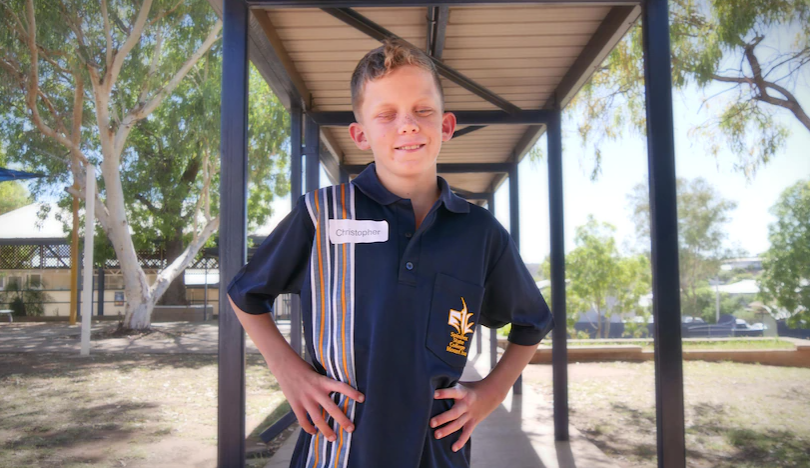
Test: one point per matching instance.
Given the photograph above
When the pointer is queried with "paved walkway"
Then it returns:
(171, 337)
(518, 434)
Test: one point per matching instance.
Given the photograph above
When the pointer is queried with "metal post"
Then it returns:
(79, 283)
(493, 332)
(559, 350)
(100, 309)
(205, 293)
(233, 232)
(664, 236)
(312, 149)
(296, 190)
(514, 230)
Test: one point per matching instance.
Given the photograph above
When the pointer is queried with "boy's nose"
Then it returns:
(408, 125)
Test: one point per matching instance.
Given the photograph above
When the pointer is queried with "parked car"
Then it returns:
(742, 328)
(728, 326)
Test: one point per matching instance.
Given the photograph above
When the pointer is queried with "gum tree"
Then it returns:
(84, 82)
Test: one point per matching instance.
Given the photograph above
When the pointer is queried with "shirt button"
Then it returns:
(408, 235)
(409, 266)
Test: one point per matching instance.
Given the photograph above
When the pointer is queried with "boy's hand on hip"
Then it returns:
(309, 392)
(474, 402)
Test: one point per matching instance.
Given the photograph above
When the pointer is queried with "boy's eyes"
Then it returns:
(390, 115)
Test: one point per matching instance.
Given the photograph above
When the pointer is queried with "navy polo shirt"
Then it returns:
(391, 310)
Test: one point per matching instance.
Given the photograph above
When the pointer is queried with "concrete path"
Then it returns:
(171, 337)
(518, 434)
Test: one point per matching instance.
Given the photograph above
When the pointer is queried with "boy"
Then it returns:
(394, 272)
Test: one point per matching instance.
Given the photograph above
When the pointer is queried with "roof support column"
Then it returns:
(233, 232)
(557, 260)
(493, 332)
(514, 230)
(664, 236)
(296, 190)
(312, 148)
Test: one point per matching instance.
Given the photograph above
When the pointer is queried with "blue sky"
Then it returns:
(625, 165)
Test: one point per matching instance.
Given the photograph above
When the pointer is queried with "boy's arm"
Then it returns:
(306, 390)
(261, 328)
(506, 371)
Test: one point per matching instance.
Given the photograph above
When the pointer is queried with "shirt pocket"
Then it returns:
(454, 311)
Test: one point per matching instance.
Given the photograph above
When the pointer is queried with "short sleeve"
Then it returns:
(512, 296)
(278, 266)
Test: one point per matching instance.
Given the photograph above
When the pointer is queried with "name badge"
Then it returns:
(359, 231)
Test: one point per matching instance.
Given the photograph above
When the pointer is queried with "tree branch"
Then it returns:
(147, 203)
(107, 34)
(144, 109)
(129, 44)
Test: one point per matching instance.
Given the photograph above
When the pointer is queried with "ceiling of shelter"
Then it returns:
(524, 54)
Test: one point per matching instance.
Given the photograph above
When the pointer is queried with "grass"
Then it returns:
(736, 415)
(120, 410)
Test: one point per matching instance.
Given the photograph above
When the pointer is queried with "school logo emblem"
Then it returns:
(460, 320)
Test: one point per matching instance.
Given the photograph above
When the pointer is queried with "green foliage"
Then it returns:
(702, 216)
(757, 49)
(169, 154)
(13, 194)
(705, 305)
(785, 278)
(597, 272)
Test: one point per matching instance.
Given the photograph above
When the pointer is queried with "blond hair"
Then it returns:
(381, 61)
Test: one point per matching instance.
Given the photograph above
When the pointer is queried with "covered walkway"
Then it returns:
(518, 434)
(508, 70)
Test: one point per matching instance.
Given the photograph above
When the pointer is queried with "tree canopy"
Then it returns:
(785, 279)
(757, 50)
(702, 218)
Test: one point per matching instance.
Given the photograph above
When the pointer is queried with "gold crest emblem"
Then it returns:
(460, 320)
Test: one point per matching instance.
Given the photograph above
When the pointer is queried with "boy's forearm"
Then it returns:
(506, 371)
(267, 338)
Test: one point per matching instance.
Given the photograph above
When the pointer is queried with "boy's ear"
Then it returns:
(448, 126)
(358, 135)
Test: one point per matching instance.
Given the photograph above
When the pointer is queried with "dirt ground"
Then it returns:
(118, 410)
(737, 415)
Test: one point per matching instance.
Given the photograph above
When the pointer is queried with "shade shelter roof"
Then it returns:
(11, 174)
(498, 63)
(508, 68)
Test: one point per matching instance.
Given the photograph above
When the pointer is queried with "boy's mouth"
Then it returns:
(410, 147)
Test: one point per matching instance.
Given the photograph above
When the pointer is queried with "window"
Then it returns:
(14, 282)
(35, 281)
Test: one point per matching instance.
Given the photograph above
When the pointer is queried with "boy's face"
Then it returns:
(402, 123)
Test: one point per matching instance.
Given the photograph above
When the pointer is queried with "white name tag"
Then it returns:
(360, 231)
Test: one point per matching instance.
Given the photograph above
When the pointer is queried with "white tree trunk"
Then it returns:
(141, 297)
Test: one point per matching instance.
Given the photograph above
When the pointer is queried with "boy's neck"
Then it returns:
(423, 189)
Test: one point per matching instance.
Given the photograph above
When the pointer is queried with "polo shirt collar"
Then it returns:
(368, 182)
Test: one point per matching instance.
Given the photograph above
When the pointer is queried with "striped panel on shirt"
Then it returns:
(332, 278)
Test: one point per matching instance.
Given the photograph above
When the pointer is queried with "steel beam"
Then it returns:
(296, 190)
(525, 117)
(233, 233)
(559, 350)
(374, 30)
(493, 332)
(467, 130)
(436, 29)
(514, 231)
(312, 150)
(664, 236)
(604, 39)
